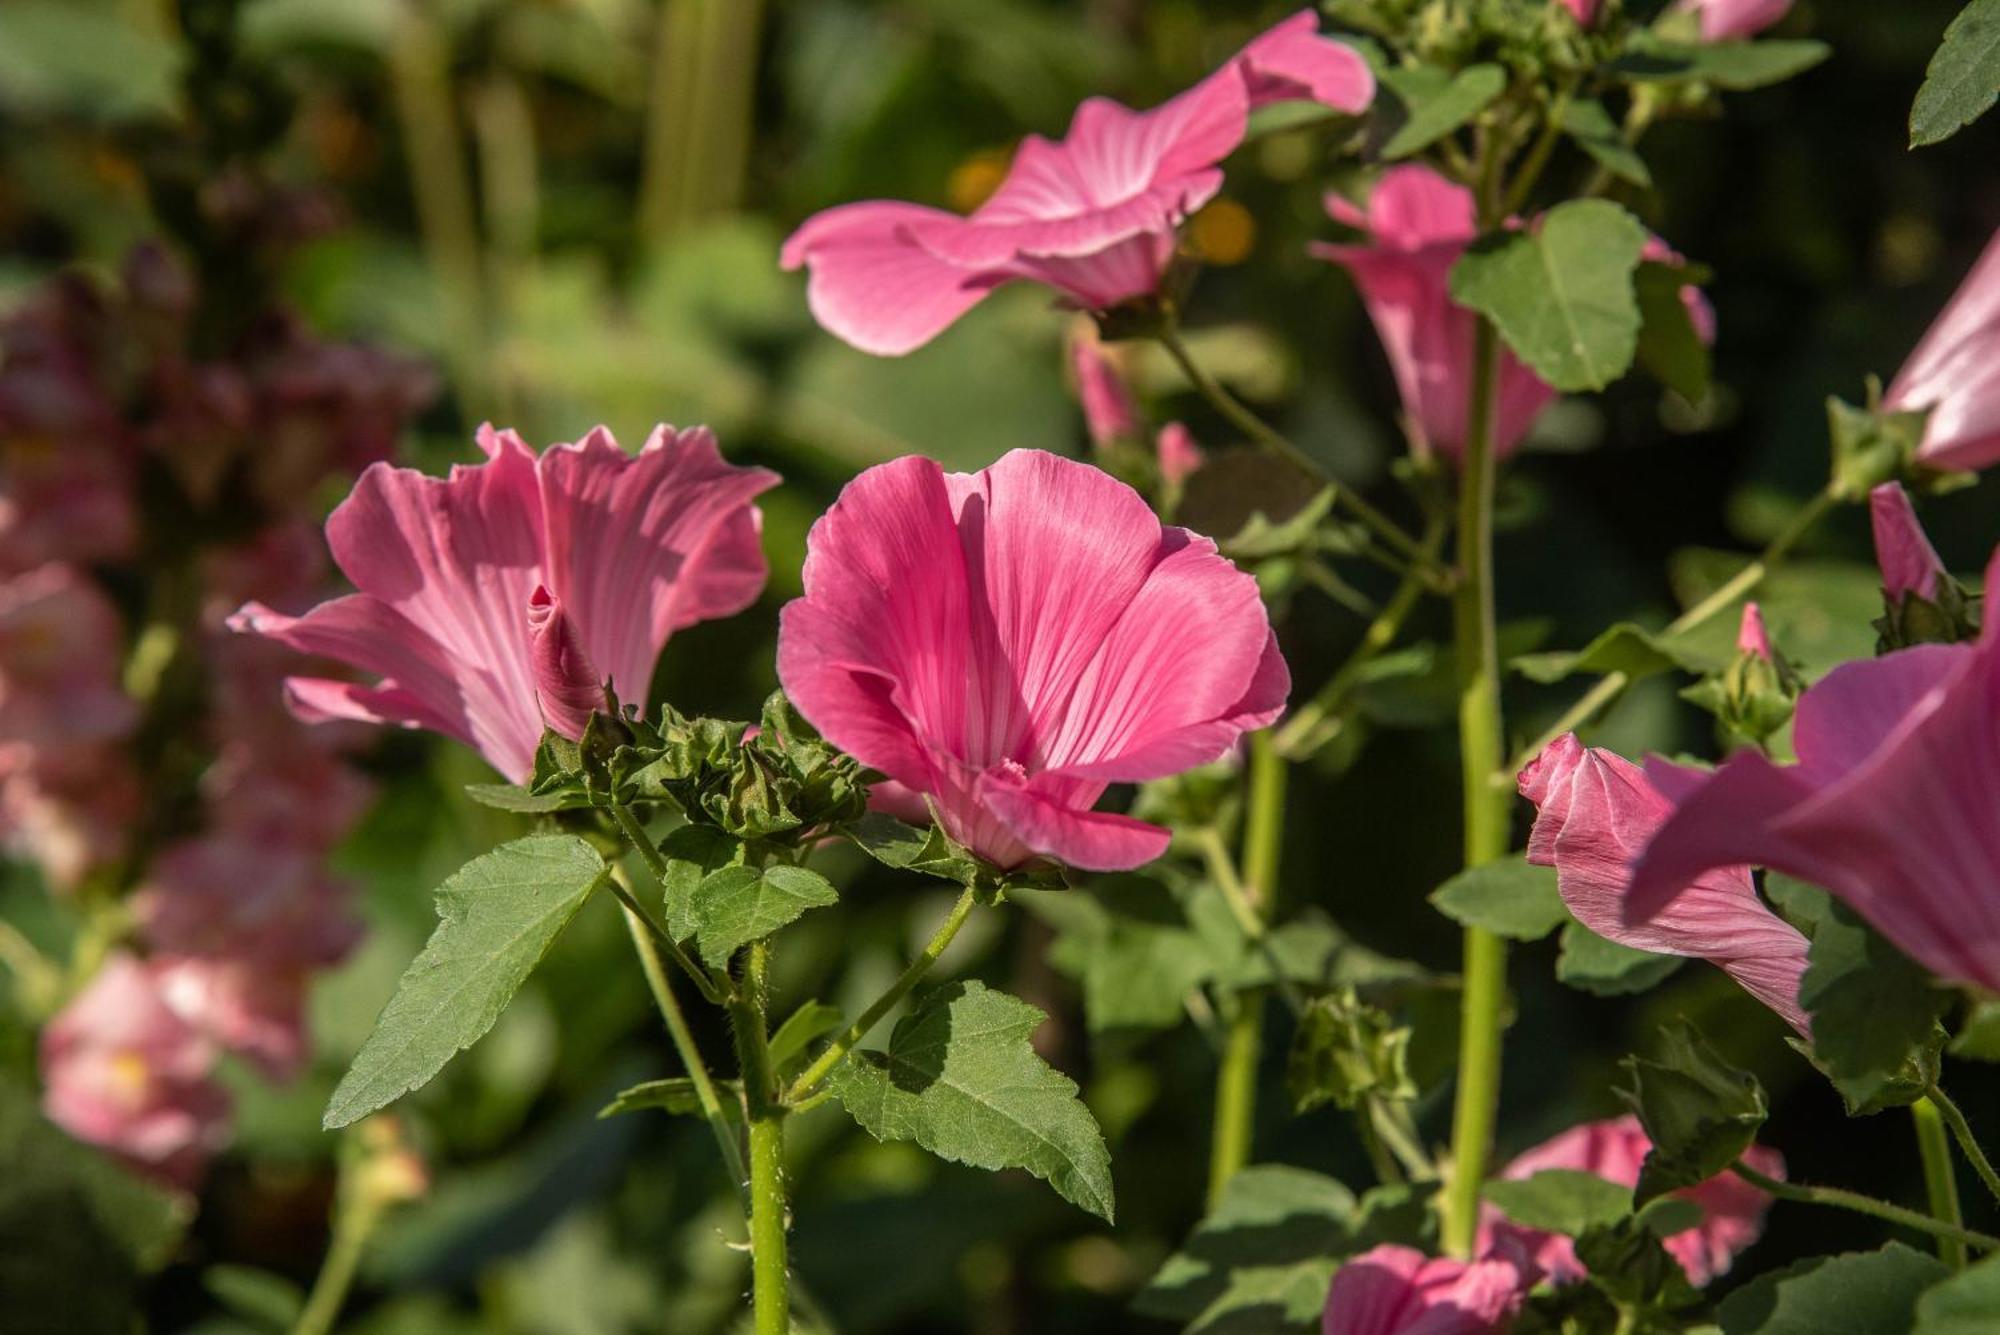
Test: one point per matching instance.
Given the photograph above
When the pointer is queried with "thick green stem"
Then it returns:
(1487, 803)
(1236, 1093)
(1940, 1185)
(1961, 1131)
(770, 1281)
(1841, 1199)
(837, 1052)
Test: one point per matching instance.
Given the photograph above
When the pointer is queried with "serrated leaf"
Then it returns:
(790, 1039)
(1670, 347)
(1963, 77)
(692, 853)
(1604, 968)
(1966, 1304)
(497, 916)
(513, 797)
(675, 1094)
(1423, 104)
(1875, 1014)
(737, 905)
(1737, 66)
(1261, 1260)
(1855, 1293)
(1561, 1200)
(1700, 1112)
(1561, 293)
(960, 1079)
(1625, 647)
(908, 848)
(1587, 122)
(1509, 897)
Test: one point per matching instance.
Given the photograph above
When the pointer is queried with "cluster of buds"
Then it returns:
(1752, 698)
(153, 476)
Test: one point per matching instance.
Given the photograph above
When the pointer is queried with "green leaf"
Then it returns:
(513, 797)
(1875, 1014)
(1561, 292)
(675, 1094)
(497, 916)
(68, 57)
(1261, 1261)
(1509, 898)
(960, 1079)
(261, 1298)
(1822, 612)
(1130, 943)
(1561, 1200)
(737, 905)
(790, 1039)
(1963, 77)
(1966, 1304)
(1978, 1039)
(692, 852)
(1625, 648)
(1732, 65)
(1604, 968)
(907, 848)
(1855, 1293)
(1425, 103)
(1670, 348)
(1586, 121)
(1700, 1112)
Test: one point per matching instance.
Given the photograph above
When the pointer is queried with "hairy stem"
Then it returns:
(1940, 1185)
(770, 1279)
(1961, 1131)
(1842, 1199)
(636, 834)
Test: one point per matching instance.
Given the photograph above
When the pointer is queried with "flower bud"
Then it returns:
(1751, 698)
(566, 685)
(1177, 454)
(1921, 602)
(1108, 410)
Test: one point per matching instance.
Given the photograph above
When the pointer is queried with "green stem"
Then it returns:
(1738, 585)
(1487, 804)
(1236, 1093)
(635, 833)
(836, 1053)
(769, 1276)
(1853, 1200)
(355, 1218)
(1940, 1184)
(1961, 1131)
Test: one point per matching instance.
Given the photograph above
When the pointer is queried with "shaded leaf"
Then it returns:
(258, 1296)
(1509, 897)
(1592, 964)
(67, 57)
(1424, 104)
(811, 1020)
(675, 1094)
(1978, 1039)
(1345, 1050)
(1732, 65)
(1129, 942)
(1670, 347)
(1966, 1304)
(1587, 122)
(737, 905)
(1700, 1112)
(1963, 77)
(1875, 1014)
(1561, 1200)
(1855, 1293)
(908, 848)
(513, 797)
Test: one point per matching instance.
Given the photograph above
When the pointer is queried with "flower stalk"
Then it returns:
(1934, 1146)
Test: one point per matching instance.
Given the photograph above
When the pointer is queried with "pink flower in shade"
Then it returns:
(1584, 10)
(1890, 806)
(225, 896)
(1419, 224)
(1732, 1209)
(60, 647)
(1177, 453)
(70, 810)
(122, 1071)
(1955, 374)
(1751, 637)
(1108, 411)
(1595, 813)
(248, 1007)
(1093, 216)
(634, 547)
(1910, 565)
(1392, 1290)
(1012, 641)
(1732, 20)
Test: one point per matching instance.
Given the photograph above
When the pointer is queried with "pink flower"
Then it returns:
(1392, 1290)
(1177, 454)
(1955, 374)
(1012, 641)
(635, 548)
(1108, 410)
(1093, 216)
(122, 1071)
(71, 810)
(1595, 813)
(1732, 1209)
(225, 896)
(60, 647)
(1732, 20)
(1419, 224)
(1751, 637)
(246, 1006)
(1890, 806)
(1584, 10)
(1910, 565)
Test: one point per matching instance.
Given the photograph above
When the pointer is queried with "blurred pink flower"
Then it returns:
(1955, 373)
(270, 793)
(1732, 20)
(70, 810)
(1392, 1290)
(1910, 565)
(1752, 637)
(1419, 224)
(225, 896)
(1108, 411)
(1732, 1209)
(636, 547)
(1177, 453)
(1890, 806)
(1093, 215)
(1012, 641)
(61, 643)
(62, 500)
(1596, 812)
(1584, 10)
(246, 1006)
(122, 1071)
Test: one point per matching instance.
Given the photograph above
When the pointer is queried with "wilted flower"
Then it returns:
(635, 547)
(1393, 1290)
(1010, 642)
(1954, 374)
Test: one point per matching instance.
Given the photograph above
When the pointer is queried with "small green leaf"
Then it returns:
(1586, 121)
(1966, 1304)
(513, 797)
(1855, 1293)
(960, 1079)
(1978, 1039)
(1424, 104)
(675, 1094)
(692, 852)
(1561, 292)
(497, 916)
(1604, 968)
(1736, 66)
(1509, 898)
(1700, 1112)
(907, 848)
(1129, 941)
(1670, 348)
(737, 905)
(1561, 1200)
(1261, 1260)
(790, 1039)
(1625, 647)
(1963, 78)
(267, 1301)
(1875, 1014)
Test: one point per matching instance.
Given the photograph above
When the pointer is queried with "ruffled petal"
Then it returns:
(874, 284)
(1955, 373)
(1292, 62)
(1090, 840)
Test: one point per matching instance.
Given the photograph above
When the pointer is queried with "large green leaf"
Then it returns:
(1966, 1304)
(1670, 347)
(1592, 964)
(1732, 65)
(1625, 648)
(497, 916)
(1130, 942)
(737, 905)
(86, 58)
(1561, 1200)
(1561, 292)
(1509, 898)
(960, 1079)
(1421, 104)
(1963, 78)
(1855, 1293)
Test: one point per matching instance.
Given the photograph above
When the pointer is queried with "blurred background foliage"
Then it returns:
(573, 208)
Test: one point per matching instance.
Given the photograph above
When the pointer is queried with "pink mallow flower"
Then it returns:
(1733, 20)
(122, 1071)
(634, 547)
(1419, 224)
(1890, 806)
(1955, 374)
(1732, 1209)
(1093, 216)
(1910, 565)
(61, 643)
(1012, 641)
(1392, 1290)
(1595, 813)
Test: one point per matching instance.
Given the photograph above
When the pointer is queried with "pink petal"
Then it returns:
(1177, 454)
(1910, 565)
(1394, 1290)
(1292, 62)
(873, 284)
(1731, 20)
(566, 684)
(1955, 373)
(1751, 637)
(1108, 410)
(1090, 840)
